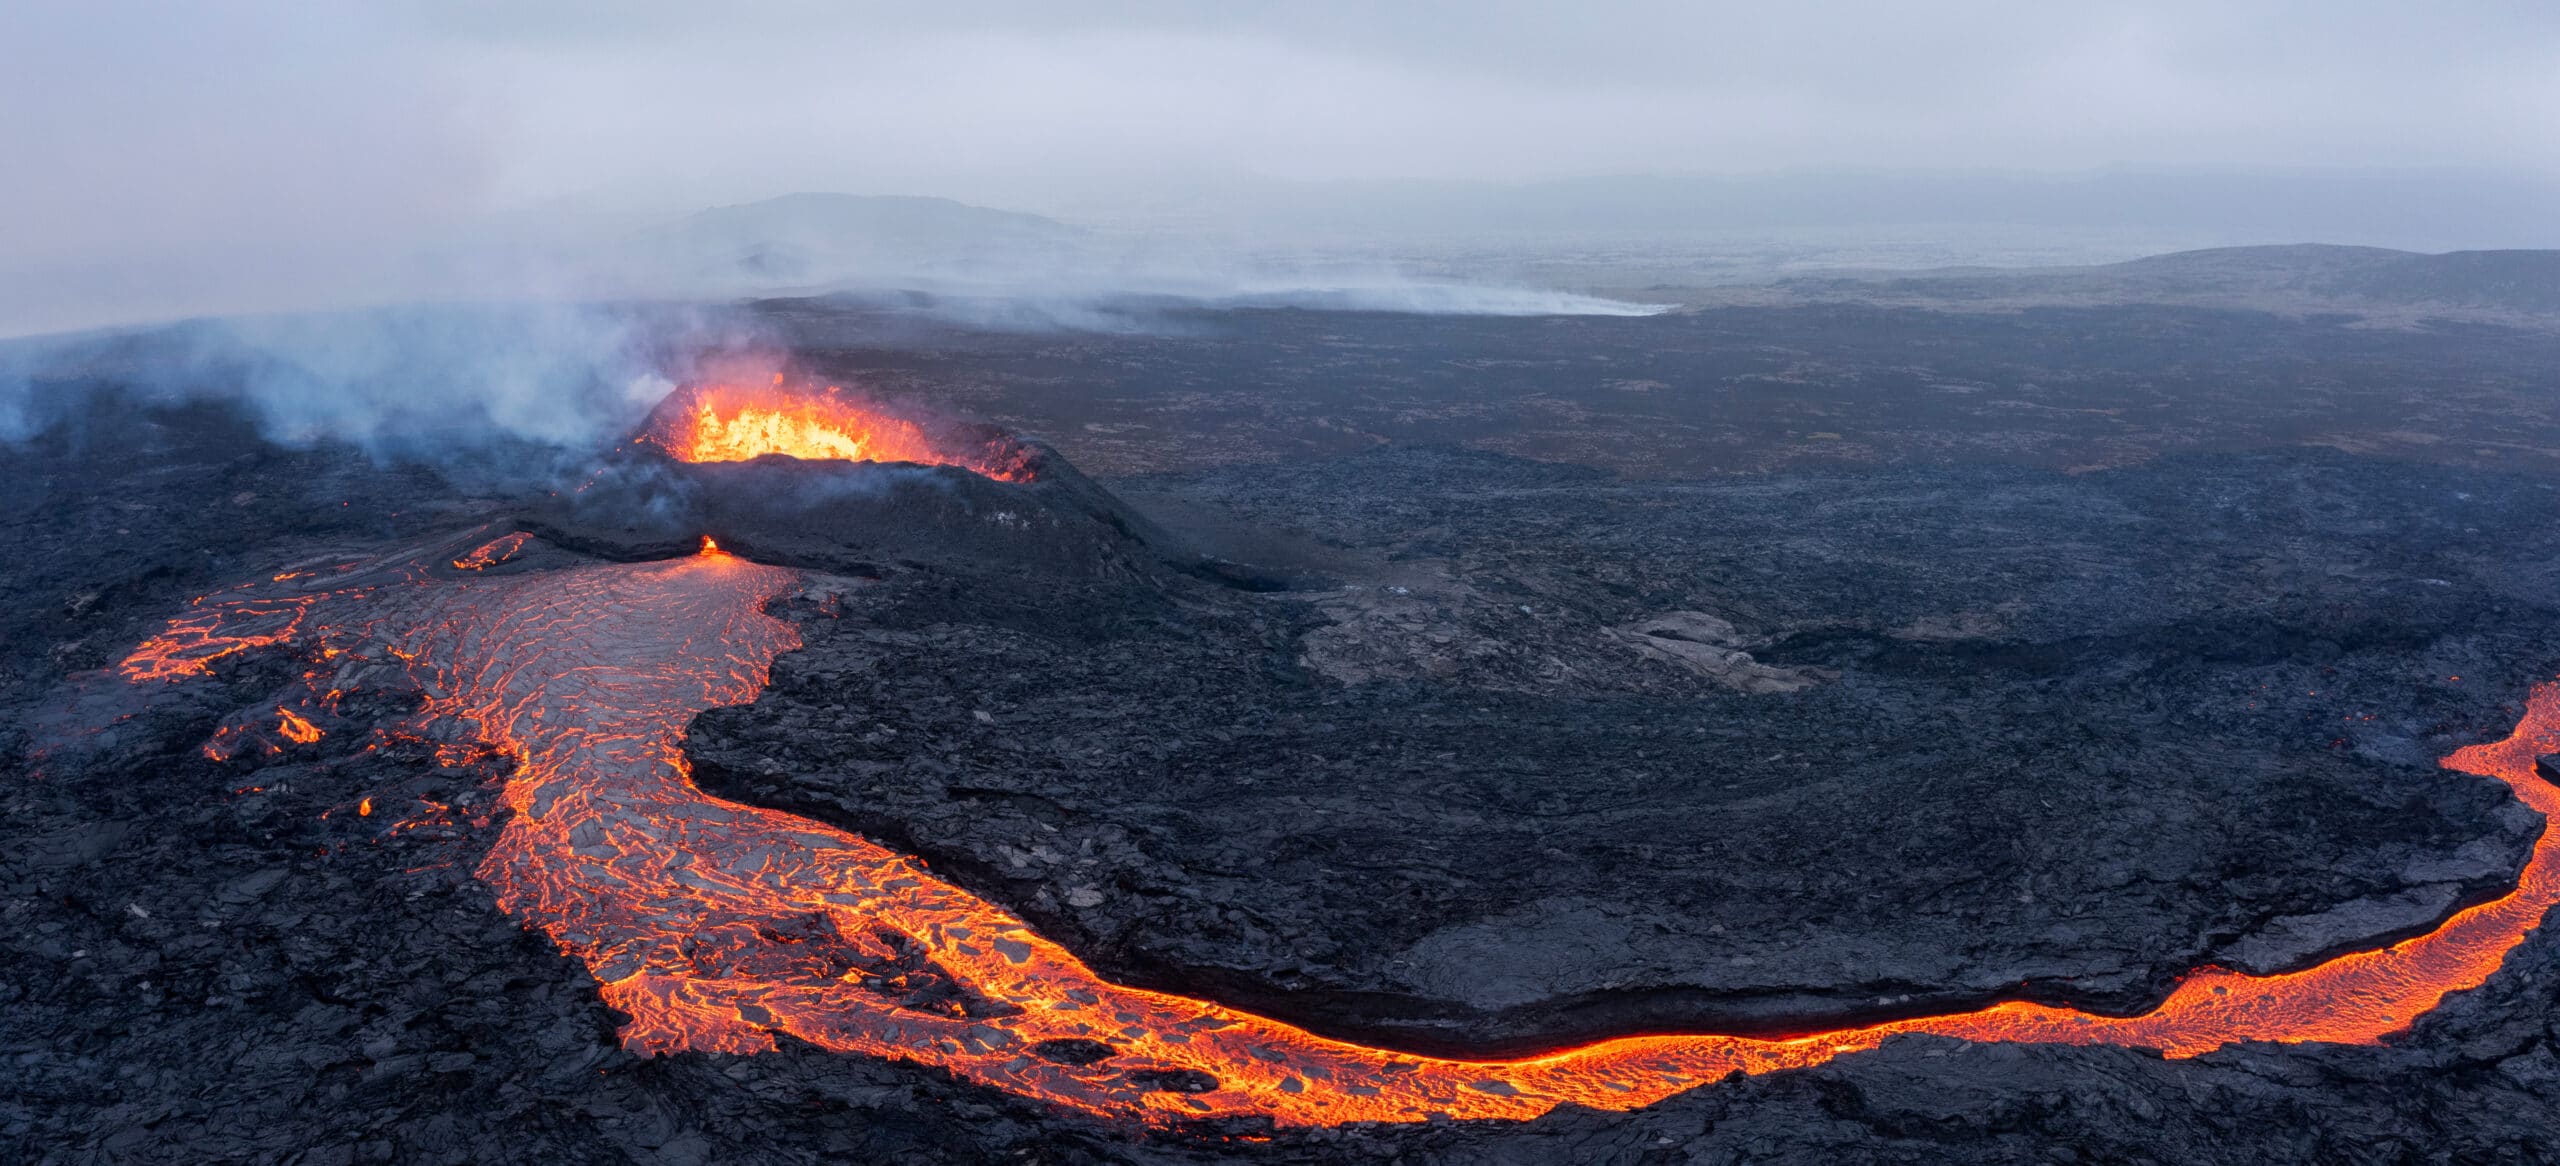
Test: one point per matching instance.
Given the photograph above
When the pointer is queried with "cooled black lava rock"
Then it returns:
(858, 517)
(2044, 736)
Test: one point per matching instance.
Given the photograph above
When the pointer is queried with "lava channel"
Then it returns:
(715, 925)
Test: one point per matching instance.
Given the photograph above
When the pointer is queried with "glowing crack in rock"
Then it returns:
(716, 925)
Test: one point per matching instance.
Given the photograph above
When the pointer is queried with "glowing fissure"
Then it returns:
(714, 925)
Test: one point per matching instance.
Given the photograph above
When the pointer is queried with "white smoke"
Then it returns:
(408, 381)
(569, 347)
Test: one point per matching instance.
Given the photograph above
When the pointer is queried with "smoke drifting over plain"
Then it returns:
(428, 381)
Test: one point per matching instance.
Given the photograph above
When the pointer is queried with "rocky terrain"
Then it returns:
(1750, 389)
(1689, 721)
(1953, 743)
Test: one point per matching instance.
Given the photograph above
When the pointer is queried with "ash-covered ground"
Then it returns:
(1769, 670)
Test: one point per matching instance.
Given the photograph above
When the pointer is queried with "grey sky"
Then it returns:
(309, 131)
(802, 94)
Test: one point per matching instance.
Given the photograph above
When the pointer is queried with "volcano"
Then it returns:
(718, 926)
(811, 477)
(810, 769)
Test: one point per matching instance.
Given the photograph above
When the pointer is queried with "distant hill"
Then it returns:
(2373, 280)
(2425, 208)
(2522, 280)
(2519, 280)
(820, 241)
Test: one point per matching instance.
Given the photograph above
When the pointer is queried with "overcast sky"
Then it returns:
(137, 128)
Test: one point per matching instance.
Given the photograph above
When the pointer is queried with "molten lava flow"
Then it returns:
(295, 727)
(727, 423)
(192, 642)
(492, 552)
(715, 925)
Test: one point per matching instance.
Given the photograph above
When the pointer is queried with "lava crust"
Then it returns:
(1979, 804)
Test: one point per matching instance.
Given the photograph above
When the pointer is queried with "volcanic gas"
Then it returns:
(715, 925)
(735, 423)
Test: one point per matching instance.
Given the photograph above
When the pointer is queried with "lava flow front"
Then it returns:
(730, 423)
(715, 925)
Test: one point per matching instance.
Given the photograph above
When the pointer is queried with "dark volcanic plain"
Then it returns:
(1746, 669)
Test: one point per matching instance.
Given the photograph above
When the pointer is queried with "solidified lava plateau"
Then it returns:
(1162, 775)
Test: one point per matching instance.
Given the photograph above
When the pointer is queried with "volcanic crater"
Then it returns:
(808, 477)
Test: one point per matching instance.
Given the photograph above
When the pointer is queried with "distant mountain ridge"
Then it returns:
(813, 240)
(2525, 280)
(978, 258)
(2420, 208)
(2308, 275)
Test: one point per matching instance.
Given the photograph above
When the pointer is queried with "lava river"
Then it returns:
(715, 925)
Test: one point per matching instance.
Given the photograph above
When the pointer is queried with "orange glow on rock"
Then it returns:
(192, 642)
(709, 547)
(730, 423)
(492, 552)
(296, 728)
(715, 925)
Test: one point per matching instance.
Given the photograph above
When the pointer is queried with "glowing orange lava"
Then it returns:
(715, 925)
(296, 728)
(192, 642)
(492, 552)
(728, 423)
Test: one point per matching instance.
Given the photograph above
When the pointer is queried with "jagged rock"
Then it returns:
(1710, 647)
